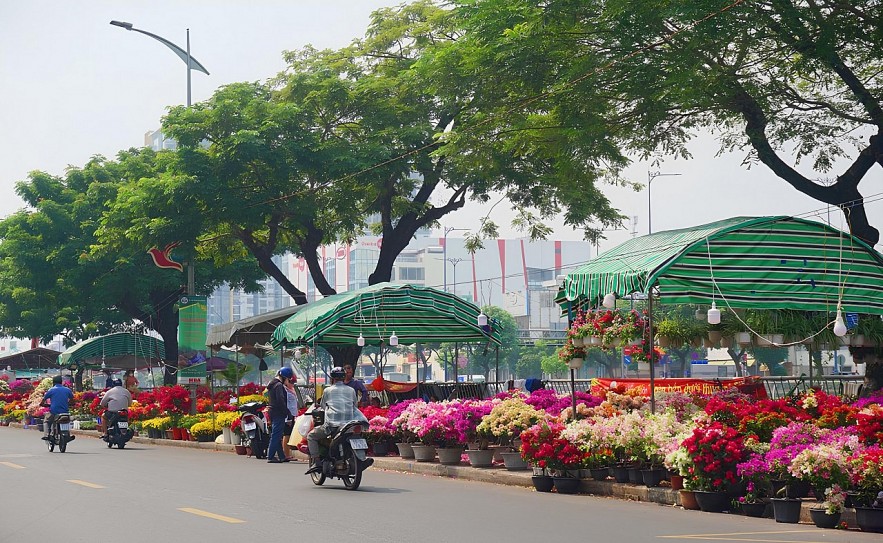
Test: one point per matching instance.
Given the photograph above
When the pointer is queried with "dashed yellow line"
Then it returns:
(206, 514)
(84, 483)
(12, 465)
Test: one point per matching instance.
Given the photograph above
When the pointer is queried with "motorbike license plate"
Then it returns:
(64, 427)
(249, 426)
(358, 443)
(123, 425)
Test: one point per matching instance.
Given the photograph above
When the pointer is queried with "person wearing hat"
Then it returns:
(58, 399)
(114, 400)
(278, 414)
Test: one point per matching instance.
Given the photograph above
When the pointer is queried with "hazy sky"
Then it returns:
(72, 86)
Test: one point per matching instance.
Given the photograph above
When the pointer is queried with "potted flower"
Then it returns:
(754, 502)
(827, 514)
(379, 435)
(715, 450)
(572, 355)
(205, 431)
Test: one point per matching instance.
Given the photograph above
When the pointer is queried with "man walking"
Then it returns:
(278, 414)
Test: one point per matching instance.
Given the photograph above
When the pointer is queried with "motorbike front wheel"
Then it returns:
(318, 478)
(353, 477)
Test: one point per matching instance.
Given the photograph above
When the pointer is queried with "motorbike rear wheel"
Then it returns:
(121, 445)
(62, 442)
(318, 478)
(51, 441)
(353, 477)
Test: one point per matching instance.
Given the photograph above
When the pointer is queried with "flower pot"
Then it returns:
(652, 477)
(786, 510)
(859, 341)
(677, 481)
(575, 363)
(635, 476)
(380, 448)
(566, 485)
(423, 453)
(170, 434)
(663, 341)
(799, 489)
(240, 449)
(177, 433)
(753, 509)
(513, 461)
(577, 341)
(405, 450)
(688, 499)
(714, 336)
(599, 474)
(620, 474)
(768, 340)
(594, 340)
(450, 456)
(498, 452)
(707, 343)
(823, 520)
(869, 519)
(481, 458)
(205, 438)
(542, 483)
(228, 435)
(712, 501)
(726, 342)
(743, 338)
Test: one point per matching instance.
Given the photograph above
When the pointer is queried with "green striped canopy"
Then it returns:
(122, 350)
(415, 314)
(745, 262)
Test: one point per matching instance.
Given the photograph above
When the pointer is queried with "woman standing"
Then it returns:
(293, 408)
(131, 382)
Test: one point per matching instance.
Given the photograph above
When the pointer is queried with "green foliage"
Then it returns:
(481, 362)
(530, 361)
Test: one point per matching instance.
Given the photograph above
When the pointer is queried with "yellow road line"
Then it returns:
(11, 465)
(206, 514)
(732, 536)
(84, 483)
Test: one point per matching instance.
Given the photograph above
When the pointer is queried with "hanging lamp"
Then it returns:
(714, 314)
(839, 324)
(393, 340)
(361, 341)
(482, 319)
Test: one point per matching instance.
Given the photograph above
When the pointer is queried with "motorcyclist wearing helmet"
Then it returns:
(278, 414)
(114, 400)
(58, 398)
(339, 402)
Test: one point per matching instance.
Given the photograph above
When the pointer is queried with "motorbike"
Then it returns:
(60, 433)
(254, 425)
(343, 455)
(119, 432)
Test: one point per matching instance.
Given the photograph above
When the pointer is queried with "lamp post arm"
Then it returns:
(182, 54)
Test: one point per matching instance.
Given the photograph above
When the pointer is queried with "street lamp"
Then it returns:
(448, 230)
(454, 261)
(192, 64)
(650, 177)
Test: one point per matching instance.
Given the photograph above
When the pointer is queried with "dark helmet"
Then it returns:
(117, 383)
(286, 372)
(337, 373)
(57, 380)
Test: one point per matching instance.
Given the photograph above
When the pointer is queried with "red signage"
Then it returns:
(747, 385)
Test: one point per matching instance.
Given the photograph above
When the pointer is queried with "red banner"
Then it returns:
(380, 383)
(747, 385)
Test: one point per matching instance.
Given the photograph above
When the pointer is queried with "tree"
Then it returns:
(484, 357)
(59, 278)
(613, 79)
(530, 361)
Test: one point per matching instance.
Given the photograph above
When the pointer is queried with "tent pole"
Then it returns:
(652, 350)
(497, 368)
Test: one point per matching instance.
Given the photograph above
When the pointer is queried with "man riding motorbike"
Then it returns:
(114, 400)
(58, 398)
(339, 403)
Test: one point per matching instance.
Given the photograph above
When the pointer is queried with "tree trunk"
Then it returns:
(344, 354)
(166, 325)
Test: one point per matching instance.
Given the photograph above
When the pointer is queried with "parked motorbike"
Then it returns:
(119, 432)
(60, 433)
(344, 455)
(254, 425)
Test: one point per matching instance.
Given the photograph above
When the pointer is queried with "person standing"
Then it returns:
(58, 398)
(293, 408)
(357, 385)
(108, 381)
(278, 414)
(131, 382)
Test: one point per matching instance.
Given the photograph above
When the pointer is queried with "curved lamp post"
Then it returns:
(650, 177)
(192, 64)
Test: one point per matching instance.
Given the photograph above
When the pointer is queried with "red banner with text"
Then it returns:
(380, 383)
(747, 385)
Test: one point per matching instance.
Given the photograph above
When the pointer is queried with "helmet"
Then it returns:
(56, 380)
(286, 372)
(338, 373)
(117, 383)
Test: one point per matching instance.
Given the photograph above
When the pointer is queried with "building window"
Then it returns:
(411, 274)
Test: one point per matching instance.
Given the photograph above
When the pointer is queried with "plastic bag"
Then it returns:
(302, 426)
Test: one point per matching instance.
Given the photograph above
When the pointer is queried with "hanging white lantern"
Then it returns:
(361, 341)
(609, 300)
(700, 314)
(839, 324)
(714, 314)
(393, 340)
(482, 319)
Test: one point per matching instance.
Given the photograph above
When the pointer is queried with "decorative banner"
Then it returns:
(747, 385)
(192, 312)
(163, 259)
(380, 384)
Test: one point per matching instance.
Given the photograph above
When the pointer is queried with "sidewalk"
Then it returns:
(497, 475)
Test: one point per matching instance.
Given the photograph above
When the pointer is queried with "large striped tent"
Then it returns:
(742, 262)
(413, 313)
(122, 350)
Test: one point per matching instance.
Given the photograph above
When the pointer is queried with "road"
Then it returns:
(167, 494)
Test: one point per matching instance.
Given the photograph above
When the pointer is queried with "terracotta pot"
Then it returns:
(677, 481)
(688, 500)
(240, 449)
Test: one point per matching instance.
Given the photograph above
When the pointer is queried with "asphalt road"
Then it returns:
(168, 494)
